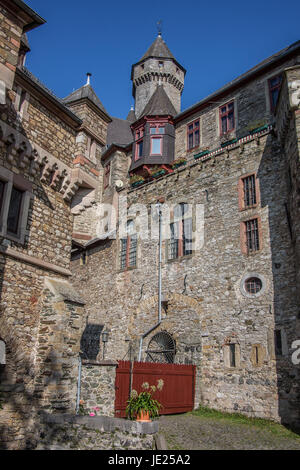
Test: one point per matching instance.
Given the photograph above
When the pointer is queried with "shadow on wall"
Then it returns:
(90, 341)
(274, 193)
(19, 303)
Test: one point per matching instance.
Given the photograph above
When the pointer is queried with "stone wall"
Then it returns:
(98, 386)
(65, 432)
(207, 308)
(251, 108)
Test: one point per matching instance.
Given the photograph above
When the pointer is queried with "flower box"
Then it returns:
(137, 183)
(258, 129)
(178, 164)
(228, 142)
(158, 173)
(201, 154)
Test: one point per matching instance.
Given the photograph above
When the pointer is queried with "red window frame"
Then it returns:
(139, 138)
(128, 251)
(274, 87)
(106, 176)
(192, 128)
(225, 111)
(252, 191)
(251, 236)
(184, 227)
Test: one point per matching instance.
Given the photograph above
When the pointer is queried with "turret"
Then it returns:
(157, 66)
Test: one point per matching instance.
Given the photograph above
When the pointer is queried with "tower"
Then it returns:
(157, 67)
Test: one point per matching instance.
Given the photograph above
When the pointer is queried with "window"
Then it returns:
(139, 134)
(278, 343)
(15, 194)
(227, 118)
(232, 360)
(193, 134)
(253, 285)
(106, 176)
(128, 248)
(248, 192)
(156, 132)
(232, 354)
(250, 236)
(274, 88)
(180, 243)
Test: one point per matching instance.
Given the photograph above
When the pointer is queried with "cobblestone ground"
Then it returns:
(188, 432)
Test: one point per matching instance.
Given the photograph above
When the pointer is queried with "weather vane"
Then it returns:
(159, 27)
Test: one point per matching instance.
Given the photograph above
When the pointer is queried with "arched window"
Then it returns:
(161, 348)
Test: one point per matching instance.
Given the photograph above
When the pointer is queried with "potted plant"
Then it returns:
(136, 180)
(179, 162)
(142, 406)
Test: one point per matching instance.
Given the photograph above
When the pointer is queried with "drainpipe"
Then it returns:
(78, 383)
(158, 207)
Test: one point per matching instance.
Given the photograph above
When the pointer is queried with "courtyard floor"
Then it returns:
(210, 430)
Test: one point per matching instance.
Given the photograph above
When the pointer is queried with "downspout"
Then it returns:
(158, 206)
(78, 383)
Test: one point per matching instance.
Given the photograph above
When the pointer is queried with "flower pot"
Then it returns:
(143, 417)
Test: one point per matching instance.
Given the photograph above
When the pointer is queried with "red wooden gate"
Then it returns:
(177, 395)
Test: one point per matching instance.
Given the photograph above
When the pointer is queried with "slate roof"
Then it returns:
(131, 118)
(159, 104)
(158, 49)
(88, 92)
(119, 132)
(23, 71)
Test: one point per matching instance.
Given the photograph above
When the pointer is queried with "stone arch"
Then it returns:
(184, 321)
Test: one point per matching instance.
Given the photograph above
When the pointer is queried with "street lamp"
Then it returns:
(104, 335)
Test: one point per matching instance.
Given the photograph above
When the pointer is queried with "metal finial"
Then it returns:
(88, 78)
(159, 27)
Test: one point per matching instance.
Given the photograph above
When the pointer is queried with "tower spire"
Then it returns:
(159, 27)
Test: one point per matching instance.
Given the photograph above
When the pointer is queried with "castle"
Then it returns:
(226, 174)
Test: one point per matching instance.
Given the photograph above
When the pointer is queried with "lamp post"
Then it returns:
(104, 335)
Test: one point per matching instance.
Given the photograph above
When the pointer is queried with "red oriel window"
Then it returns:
(274, 88)
(156, 131)
(227, 121)
(139, 138)
(193, 134)
(106, 175)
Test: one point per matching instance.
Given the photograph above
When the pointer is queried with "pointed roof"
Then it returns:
(131, 118)
(158, 49)
(85, 92)
(159, 104)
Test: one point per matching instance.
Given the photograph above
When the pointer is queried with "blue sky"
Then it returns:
(214, 41)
